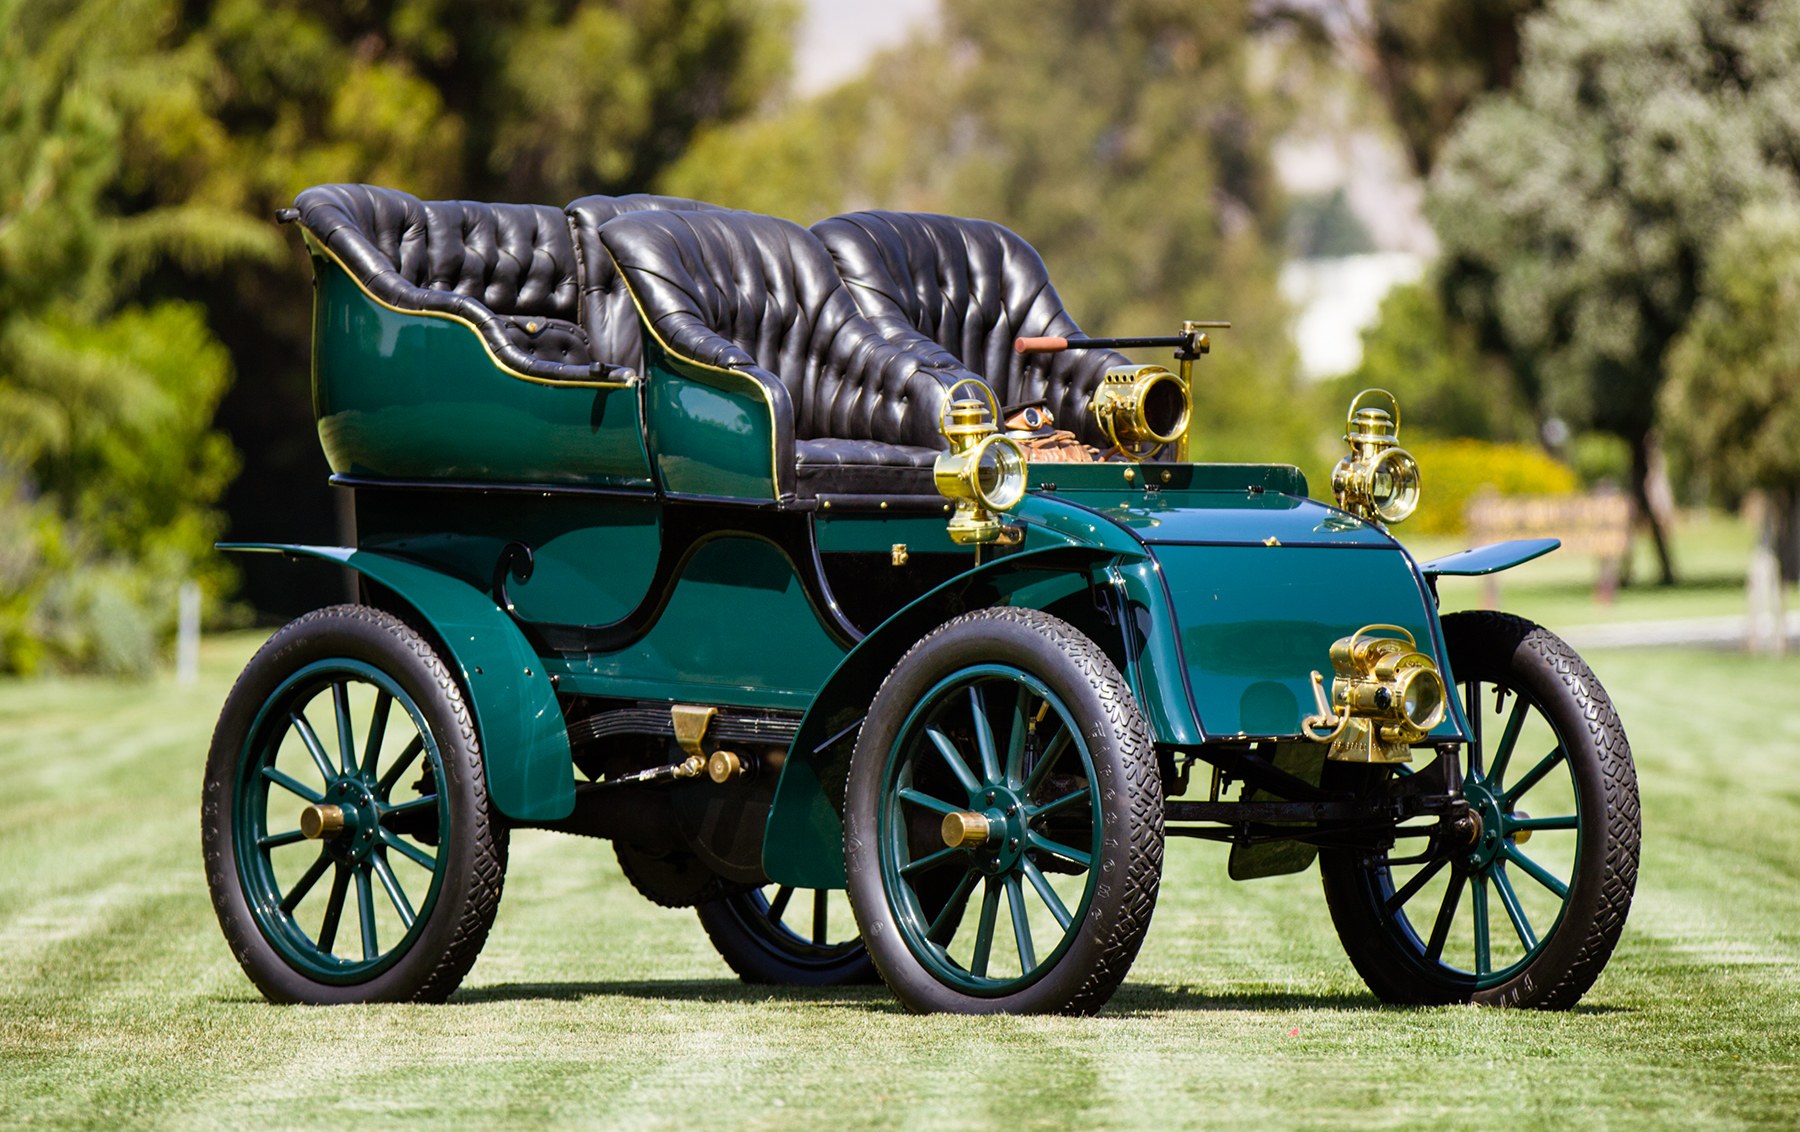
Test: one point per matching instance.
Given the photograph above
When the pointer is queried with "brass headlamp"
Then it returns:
(1378, 479)
(1386, 695)
(1141, 408)
(984, 471)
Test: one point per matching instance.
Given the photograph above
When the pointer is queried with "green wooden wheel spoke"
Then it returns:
(984, 931)
(340, 702)
(1052, 751)
(1532, 777)
(1562, 821)
(954, 760)
(947, 915)
(920, 798)
(1058, 910)
(393, 841)
(365, 908)
(1509, 900)
(277, 840)
(930, 860)
(1534, 870)
(1484, 963)
(820, 906)
(292, 785)
(1440, 930)
(1015, 901)
(779, 905)
(404, 760)
(334, 910)
(305, 884)
(1015, 739)
(984, 734)
(395, 894)
(1411, 888)
(310, 738)
(1509, 737)
(384, 703)
(1074, 856)
(411, 805)
(1061, 803)
(1472, 712)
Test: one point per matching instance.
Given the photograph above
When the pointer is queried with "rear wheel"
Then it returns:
(788, 936)
(349, 842)
(1528, 913)
(1003, 820)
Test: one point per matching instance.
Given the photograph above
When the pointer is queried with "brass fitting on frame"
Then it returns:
(1386, 695)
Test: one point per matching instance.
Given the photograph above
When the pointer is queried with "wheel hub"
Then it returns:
(1488, 809)
(348, 820)
(995, 833)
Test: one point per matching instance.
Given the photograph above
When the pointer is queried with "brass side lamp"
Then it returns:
(1385, 696)
(1378, 480)
(984, 472)
(1141, 408)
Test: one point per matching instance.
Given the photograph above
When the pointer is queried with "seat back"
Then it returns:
(969, 287)
(605, 305)
(751, 292)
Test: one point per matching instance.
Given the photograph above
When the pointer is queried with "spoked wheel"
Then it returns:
(1528, 911)
(349, 845)
(783, 935)
(1003, 820)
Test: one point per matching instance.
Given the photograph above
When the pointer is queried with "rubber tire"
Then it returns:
(476, 866)
(1080, 674)
(756, 957)
(1498, 648)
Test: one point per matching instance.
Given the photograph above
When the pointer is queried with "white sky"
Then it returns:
(838, 36)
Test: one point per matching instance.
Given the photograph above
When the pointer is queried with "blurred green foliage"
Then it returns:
(1454, 472)
(1128, 142)
(1576, 210)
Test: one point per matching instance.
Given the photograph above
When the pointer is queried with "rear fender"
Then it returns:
(524, 738)
(803, 845)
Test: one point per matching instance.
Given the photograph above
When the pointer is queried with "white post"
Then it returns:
(187, 634)
(1768, 617)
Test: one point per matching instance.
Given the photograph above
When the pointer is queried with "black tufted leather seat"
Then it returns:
(968, 288)
(507, 268)
(612, 326)
(760, 296)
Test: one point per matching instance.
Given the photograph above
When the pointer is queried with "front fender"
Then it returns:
(803, 844)
(524, 738)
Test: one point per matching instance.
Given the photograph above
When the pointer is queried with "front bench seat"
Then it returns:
(607, 316)
(855, 414)
(969, 288)
(507, 269)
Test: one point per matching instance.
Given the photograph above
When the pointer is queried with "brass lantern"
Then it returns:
(1140, 408)
(1378, 480)
(1385, 696)
(984, 472)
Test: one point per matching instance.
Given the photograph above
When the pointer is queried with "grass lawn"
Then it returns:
(121, 1007)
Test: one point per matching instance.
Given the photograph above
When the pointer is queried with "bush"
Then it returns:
(1454, 472)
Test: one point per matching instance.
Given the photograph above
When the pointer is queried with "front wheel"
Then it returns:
(785, 936)
(350, 846)
(1527, 912)
(1003, 820)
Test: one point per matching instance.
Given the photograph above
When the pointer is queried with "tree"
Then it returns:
(1576, 210)
(1732, 403)
(1127, 141)
(109, 470)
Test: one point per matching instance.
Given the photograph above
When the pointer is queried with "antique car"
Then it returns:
(799, 560)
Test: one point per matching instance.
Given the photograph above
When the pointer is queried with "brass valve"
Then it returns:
(1379, 479)
(984, 472)
(1385, 696)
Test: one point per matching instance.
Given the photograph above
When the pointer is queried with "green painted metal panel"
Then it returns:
(524, 738)
(1256, 621)
(1489, 559)
(416, 396)
(738, 629)
(713, 431)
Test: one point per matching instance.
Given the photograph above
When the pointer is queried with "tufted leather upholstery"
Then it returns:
(507, 268)
(761, 296)
(968, 288)
(606, 313)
